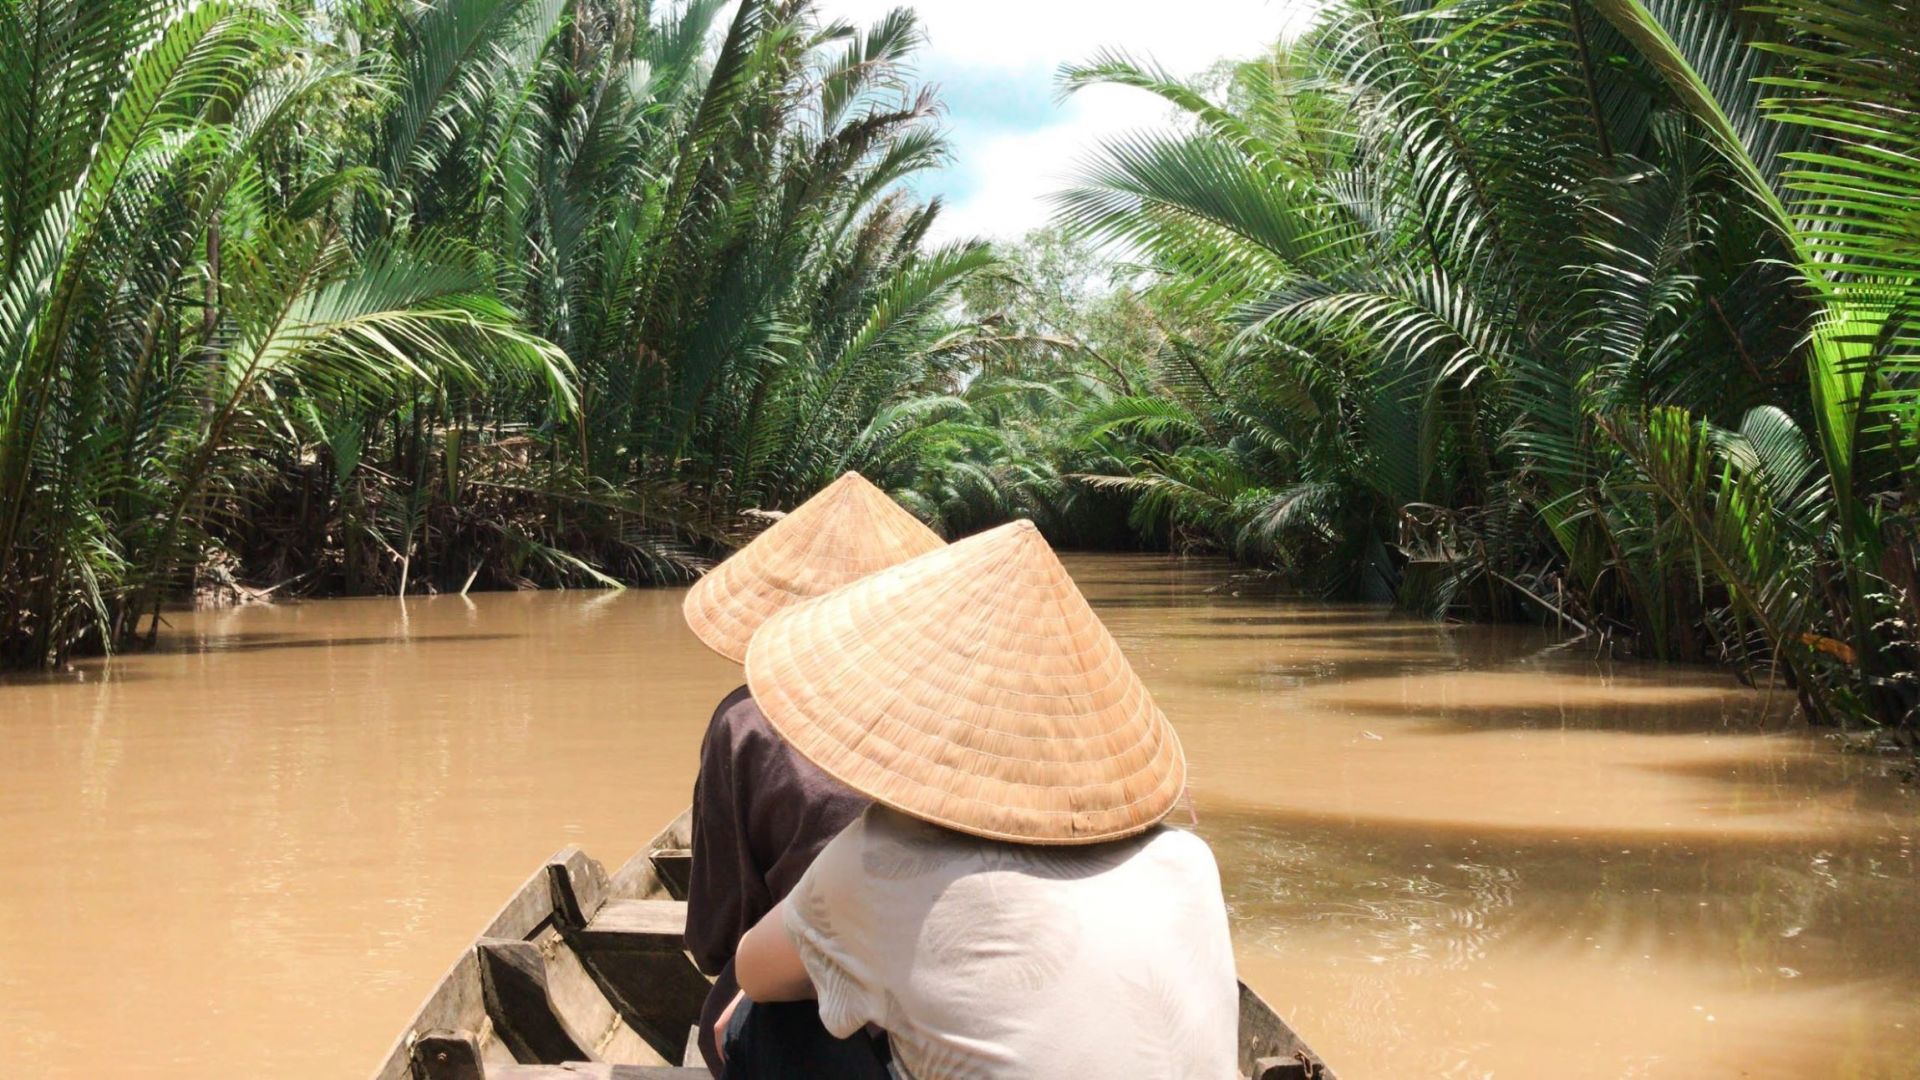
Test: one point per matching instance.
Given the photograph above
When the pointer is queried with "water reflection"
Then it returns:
(1450, 851)
(1421, 951)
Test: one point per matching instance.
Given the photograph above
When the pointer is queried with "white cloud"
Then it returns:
(1009, 176)
(1018, 34)
(1008, 161)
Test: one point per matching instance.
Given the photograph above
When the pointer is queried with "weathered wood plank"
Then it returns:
(638, 879)
(446, 1055)
(643, 924)
(579, 1000)
(532, 906)
(576, 887)
(454, 1003)
(658, 994)
(635, 951)
(1273, 1068)
(674, 866)
(1266, 1038)
(513, 979)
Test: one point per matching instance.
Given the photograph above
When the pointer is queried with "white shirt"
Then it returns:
(987, 959)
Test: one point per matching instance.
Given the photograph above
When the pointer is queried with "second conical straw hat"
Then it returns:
(847, 531)
(973, 687)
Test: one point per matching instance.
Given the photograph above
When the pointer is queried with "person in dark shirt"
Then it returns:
(761, 812)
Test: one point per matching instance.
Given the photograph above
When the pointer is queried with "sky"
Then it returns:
(994, 61)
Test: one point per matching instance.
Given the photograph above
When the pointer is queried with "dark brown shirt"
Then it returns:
(761, 812)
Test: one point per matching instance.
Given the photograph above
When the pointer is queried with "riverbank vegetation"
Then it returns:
(391, 296)
(1599, 312)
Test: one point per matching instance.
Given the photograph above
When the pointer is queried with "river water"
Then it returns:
(1449, 851)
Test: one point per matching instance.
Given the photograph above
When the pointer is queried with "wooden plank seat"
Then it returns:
(653, 925)
(636, 953)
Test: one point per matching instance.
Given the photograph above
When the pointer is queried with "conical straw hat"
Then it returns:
(974, 688)
(847, 531)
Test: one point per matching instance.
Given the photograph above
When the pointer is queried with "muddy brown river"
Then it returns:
(1450, 851)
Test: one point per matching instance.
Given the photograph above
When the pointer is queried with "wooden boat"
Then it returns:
(582, 976)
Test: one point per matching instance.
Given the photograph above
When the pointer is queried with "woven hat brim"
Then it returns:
(724, 616)
(845, 532)
(974, 688)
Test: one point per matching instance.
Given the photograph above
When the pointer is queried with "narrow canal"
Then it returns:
(1450, 851)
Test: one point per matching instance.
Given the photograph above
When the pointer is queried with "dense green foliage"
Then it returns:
(1597, 311)
(1602, 312)
(381, 295)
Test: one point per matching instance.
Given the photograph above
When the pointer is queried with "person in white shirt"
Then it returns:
(1011, 905)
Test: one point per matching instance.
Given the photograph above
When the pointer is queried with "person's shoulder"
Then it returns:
(737, 715)
(738, 701)
(1181, 848)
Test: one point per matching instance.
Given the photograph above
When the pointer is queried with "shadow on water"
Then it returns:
(1289, 661)
(114, 670)
(1171, 598)
(1323, 616)
(1387, 633)
(242, 643)
(1865, 785)
(1841, 906)
(1463, 679)
(1458, 932)
(1470, 700)
(93, 673)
